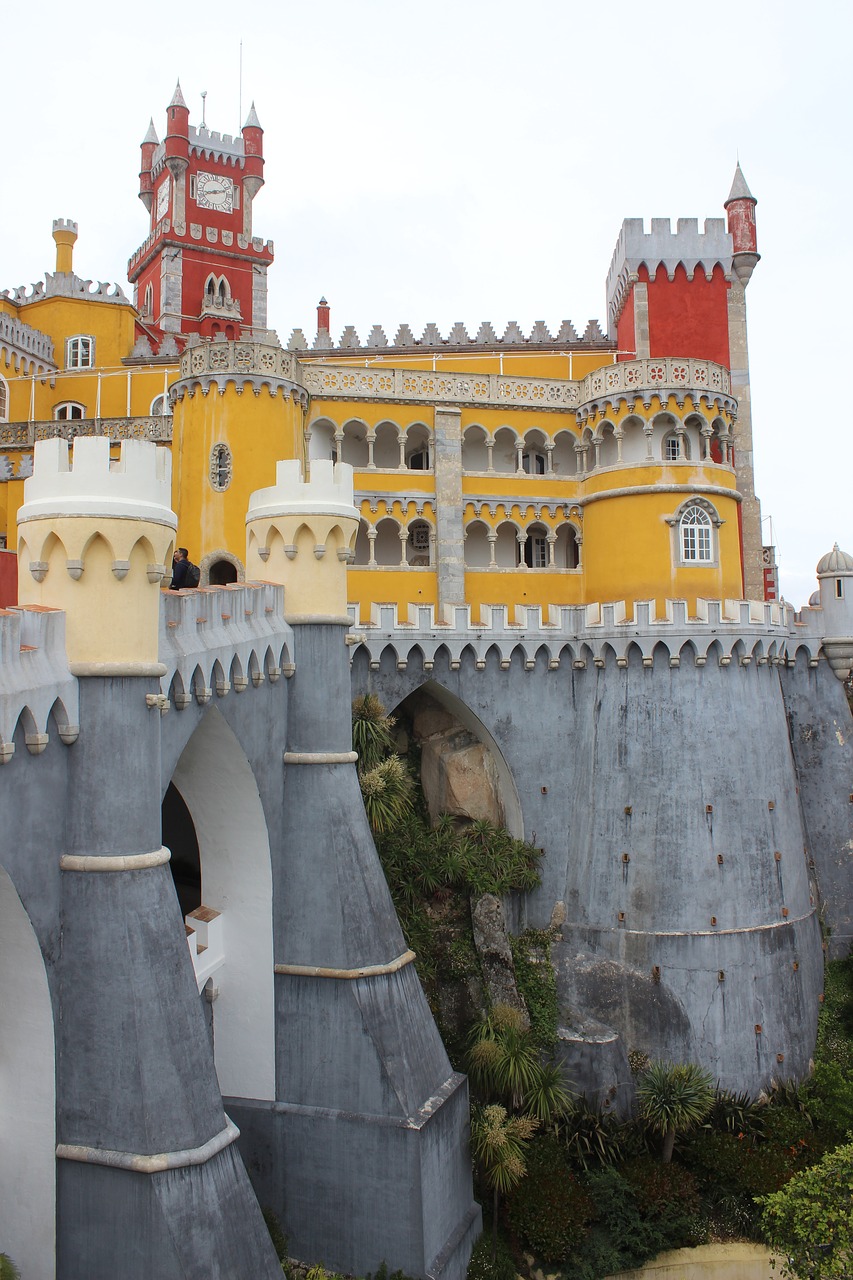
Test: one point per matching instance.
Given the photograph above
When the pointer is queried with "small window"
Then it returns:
(220, 467)
(696, 529)
(419, 461)
(4, 400)
(672, 448)
(533, 462)
(839, 589)
(192, 186)
(69, 411)
(80, 352)
(160, 407)
(148, 303)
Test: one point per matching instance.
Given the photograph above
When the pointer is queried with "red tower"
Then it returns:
(201, 270)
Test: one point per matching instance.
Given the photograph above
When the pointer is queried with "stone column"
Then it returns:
(448, 507)
(641, 319)
(368, 1110)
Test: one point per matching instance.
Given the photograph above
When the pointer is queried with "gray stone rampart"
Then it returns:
(660, 783)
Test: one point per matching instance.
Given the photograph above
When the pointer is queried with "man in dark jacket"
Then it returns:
(181, 570)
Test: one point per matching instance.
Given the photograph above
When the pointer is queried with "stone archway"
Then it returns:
(463, 771)
(27, 1094)
(218, 791)
(216, 568)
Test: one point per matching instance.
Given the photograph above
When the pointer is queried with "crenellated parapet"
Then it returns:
(302, 533)
(458, 339)
(38, 693)
(663, 248)
(27, 350)
(724, 632)
(96, 540)
(223, 640)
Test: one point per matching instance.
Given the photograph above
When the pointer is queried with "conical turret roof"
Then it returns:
(151, 135)
(739, 191)
(177, 97)
(252, 121)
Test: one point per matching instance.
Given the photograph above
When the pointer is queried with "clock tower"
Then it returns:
(201, 270)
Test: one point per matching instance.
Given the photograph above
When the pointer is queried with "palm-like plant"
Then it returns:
(497, 1145)
(388, 793)
(371, 732)
(673, 1099)
(503, 1062)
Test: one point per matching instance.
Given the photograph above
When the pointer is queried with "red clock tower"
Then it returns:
(201, 270)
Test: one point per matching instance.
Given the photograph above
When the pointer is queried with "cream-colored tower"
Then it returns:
(302, 534)
(96, 539)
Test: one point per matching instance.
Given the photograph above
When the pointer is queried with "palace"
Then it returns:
(544, 552)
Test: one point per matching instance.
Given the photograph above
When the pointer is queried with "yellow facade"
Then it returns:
(491, 477)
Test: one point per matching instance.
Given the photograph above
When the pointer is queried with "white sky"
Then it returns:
(474, 161)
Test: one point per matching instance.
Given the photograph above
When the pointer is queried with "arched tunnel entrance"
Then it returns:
(215, 827)
(463, 771)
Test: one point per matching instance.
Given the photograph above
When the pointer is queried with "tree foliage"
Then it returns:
(674, 1098)
(810, 1220)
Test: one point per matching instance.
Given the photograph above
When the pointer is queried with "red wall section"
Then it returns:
(625, 335)
(688, 317)
(8, 578)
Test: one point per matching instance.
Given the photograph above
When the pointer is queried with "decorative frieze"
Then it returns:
(340, 382)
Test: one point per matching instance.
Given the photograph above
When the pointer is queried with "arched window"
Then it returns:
(160, 407)
(676, 448)
(68, 411)
(220, 467)
(4, 400)
(80, 352)
(417, 551)
(148, 301)
(696, 533)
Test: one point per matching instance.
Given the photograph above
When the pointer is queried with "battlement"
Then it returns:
(328, 491)
(67, 225)
(137, 486)
(687, 246)
(35, 682)
(731, 632)
(566, 337)
(217, 640)
(28, 350)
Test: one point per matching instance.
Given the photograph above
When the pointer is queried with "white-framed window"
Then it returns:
(419, 460)
(68, 411)
(673, 449)
(148, 301)
(160, 407)
(80, 352)
(696, 533)
(221, 464)
(4, 399)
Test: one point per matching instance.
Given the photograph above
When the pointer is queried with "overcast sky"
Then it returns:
(474, 161)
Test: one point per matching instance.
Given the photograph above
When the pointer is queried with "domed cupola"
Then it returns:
(835, 576)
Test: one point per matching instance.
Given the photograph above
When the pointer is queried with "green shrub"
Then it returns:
(591, 1137)
(549, 1209)
(620, 1238)
(830, 1098)
(668, 1197)
(537, 983)
(8, 1270)
(483, 1267)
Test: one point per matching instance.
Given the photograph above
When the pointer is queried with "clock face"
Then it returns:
(163, 198)
(213, 192)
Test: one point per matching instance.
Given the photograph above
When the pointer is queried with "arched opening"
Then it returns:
(609, 448)
(506, 546)
(213, 816)
(386, 447)
(564, 459)
(27, 1094)
(418, 544)
(504, 454)
(387, 549)
(534, 552)
(354, 449)
(567, 547)
(321, 440)
(222, 572)
(463, 771)
(477, 545)
(475, 455)
(362, 545)
(418, 456)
